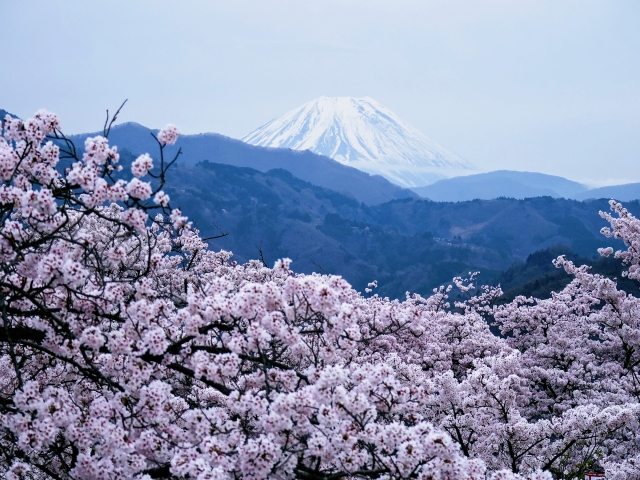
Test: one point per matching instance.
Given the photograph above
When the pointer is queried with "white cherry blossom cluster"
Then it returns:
(168, 135)
(141, 165)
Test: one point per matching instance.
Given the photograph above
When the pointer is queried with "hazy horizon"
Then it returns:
(548, 87)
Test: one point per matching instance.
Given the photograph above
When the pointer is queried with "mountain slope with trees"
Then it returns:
(407, 245)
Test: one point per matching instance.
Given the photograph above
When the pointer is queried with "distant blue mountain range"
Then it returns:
(622, 193)
(520, 185)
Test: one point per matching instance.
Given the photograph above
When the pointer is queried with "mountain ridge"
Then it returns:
(501, 183)
(308, 166)
(520, 185)
(623, 193)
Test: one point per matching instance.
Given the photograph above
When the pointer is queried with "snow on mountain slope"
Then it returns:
(361, 133)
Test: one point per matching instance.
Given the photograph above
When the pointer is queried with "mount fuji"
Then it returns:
(361, 133)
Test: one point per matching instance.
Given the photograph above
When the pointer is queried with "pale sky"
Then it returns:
(547, 86)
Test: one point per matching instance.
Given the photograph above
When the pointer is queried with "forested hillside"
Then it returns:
(407, 245)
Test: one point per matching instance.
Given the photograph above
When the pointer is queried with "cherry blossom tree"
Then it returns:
(128, 349)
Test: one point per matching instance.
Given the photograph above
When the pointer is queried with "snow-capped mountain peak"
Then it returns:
(363, 134)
